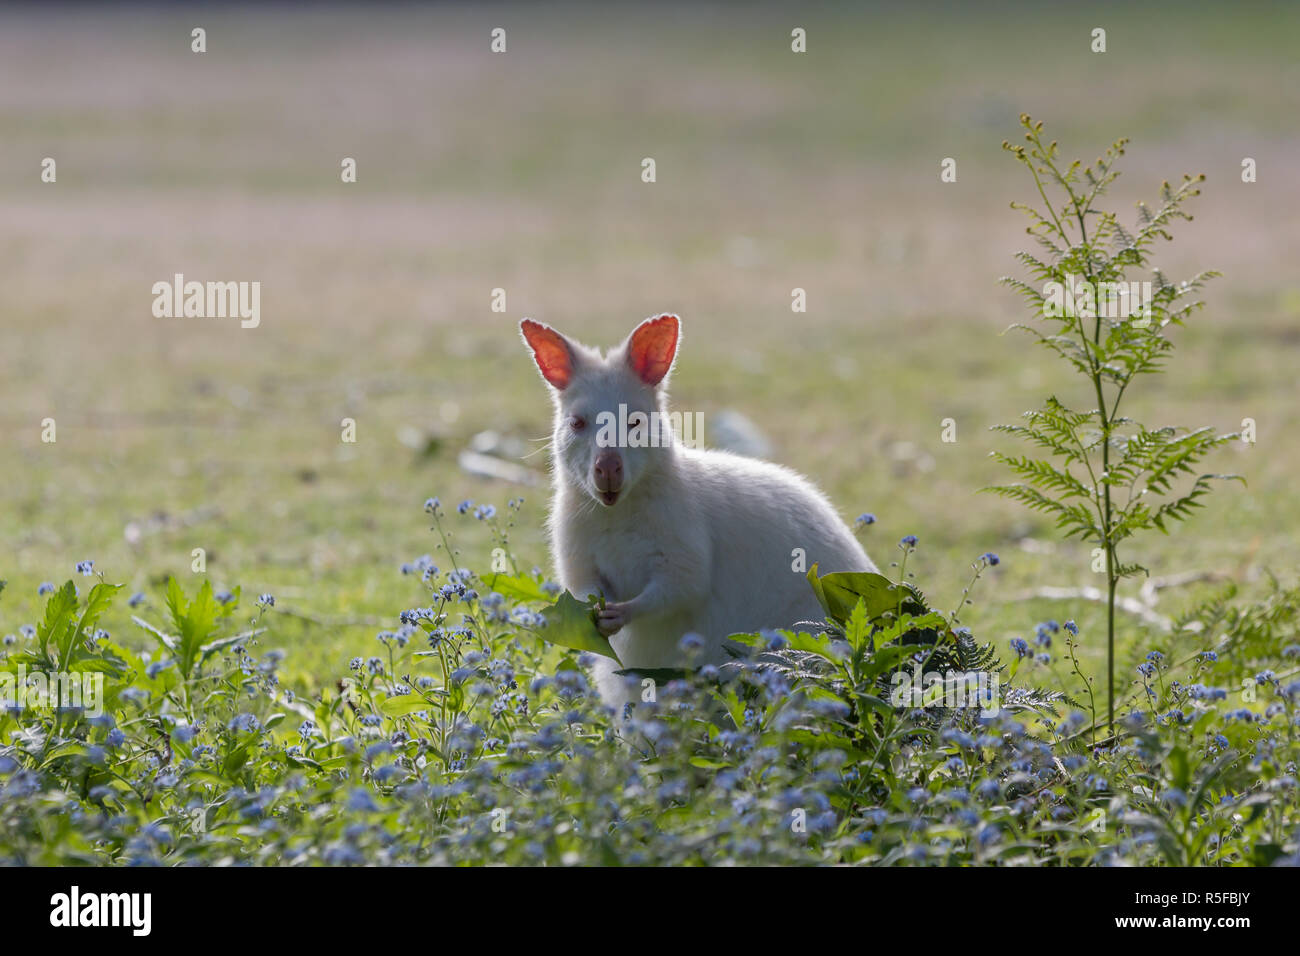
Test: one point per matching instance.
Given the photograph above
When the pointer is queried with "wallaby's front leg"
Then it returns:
(659, 594)
(611, 618)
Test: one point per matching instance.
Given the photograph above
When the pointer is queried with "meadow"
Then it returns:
(522, 171)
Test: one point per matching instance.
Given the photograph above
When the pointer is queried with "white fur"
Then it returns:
(698, 541)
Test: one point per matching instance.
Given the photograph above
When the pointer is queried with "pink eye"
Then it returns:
(578, 423)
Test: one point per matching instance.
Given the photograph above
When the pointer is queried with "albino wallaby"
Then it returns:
(678, 540)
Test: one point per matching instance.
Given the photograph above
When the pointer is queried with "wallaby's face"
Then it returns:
(589, 446)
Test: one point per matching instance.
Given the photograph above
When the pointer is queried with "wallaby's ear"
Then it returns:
(652, 347)
(554, 357)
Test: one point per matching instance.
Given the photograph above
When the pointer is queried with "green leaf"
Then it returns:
(519, 587)
(403, 704)
(70, 749)
(795, 641)
(194, 621)
(166, 641)
(856, 628)
(215, 647)
(1266, 853)
(660, 675)
(571, 623)
(237, 757)
(704, 763)
(840, 591)
(58, 616)
(1182, 773)
(100, 597)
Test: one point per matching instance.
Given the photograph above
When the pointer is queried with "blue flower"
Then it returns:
(954, 735)
(775, 641)
(691, 644)
(360, 800)
(266, 600)
(865, 519)
(44, 589)
(157, 667)
(991, 559)
(244, 722)
(907, 541)
(86, 567)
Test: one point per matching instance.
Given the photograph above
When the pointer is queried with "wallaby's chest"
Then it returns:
(624, 562)
(620, 555)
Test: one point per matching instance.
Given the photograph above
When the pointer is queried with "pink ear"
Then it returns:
(551, 351)
(651, 349)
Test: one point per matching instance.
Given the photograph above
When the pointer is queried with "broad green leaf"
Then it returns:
(100, 597)
(521, 587)
(194, 622)
(58, 616)
(403, 704)
(571, 623)
(839, 593)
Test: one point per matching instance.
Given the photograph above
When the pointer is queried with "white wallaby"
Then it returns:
(678, 540)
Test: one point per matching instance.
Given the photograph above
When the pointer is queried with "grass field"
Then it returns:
(521, 171)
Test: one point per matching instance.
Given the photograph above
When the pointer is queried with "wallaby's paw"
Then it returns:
(610, 619)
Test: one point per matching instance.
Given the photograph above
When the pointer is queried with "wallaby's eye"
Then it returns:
(577, 422)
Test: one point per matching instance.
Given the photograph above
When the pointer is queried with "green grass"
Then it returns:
(522, 171)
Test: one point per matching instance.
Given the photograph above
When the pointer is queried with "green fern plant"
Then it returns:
(1102, 476)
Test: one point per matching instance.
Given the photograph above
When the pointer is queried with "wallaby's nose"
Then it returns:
(608, 471)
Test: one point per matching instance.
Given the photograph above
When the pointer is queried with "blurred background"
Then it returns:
(522, 171)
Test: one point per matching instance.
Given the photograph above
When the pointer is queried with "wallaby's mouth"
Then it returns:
(608, 497)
